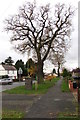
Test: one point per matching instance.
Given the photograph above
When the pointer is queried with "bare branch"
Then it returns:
(38, 31)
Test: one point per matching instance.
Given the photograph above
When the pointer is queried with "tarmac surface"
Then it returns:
(52, 103)
(8, 87)
(18, 102)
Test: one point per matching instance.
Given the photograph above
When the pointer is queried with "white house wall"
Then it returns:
(12, 74)
(1, 68)
(2, 71)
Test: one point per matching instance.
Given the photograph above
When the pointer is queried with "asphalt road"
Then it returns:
(7, 87)
(40, 106)
(19, 102)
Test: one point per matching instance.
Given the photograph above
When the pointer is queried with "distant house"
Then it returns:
(8, 70)
(76, 73)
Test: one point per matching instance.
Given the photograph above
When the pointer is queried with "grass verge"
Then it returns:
(65, 86)
(10, 114)
(42, 88)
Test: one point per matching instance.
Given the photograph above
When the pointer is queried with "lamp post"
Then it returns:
(20, 73)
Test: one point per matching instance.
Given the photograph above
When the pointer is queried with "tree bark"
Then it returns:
(40, 72)
(58, 69)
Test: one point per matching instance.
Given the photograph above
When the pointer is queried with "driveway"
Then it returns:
(7, 87)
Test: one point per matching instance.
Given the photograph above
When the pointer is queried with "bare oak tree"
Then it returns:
(40, 30)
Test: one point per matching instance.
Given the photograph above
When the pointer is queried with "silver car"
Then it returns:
(5, 81)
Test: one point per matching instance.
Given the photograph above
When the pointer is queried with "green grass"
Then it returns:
(42, 88)
(10, 114)
(65, 86)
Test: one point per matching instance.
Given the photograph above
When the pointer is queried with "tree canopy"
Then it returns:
(40, 30)
(8, 61)
(30, 63)
(20, 63)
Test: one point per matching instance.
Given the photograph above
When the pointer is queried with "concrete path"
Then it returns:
(52, 103)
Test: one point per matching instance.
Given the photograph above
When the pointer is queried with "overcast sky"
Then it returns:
(10, 7)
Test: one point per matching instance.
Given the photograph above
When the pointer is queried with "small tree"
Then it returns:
(57, 58)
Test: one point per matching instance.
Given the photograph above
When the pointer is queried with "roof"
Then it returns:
(9, 67)
(76, 70)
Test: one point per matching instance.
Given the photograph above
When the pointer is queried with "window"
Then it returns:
(8, 72)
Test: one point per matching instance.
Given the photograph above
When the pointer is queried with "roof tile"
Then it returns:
(9, 67)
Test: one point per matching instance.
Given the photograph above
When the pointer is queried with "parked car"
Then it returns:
(6, 81)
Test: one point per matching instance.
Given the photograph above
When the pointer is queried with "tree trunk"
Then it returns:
(58, 73)
(58, 69)
(40, 72)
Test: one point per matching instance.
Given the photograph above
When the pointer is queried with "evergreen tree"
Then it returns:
(9, 61)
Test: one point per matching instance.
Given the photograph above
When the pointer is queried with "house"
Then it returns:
(9, 70)
(76, 73)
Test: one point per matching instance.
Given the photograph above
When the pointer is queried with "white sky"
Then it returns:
(10, 7)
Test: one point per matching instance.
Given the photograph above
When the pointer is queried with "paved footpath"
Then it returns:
(53, 102)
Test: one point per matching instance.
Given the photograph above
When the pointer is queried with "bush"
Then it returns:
(65, 73)
(50, 77)
(67, 79)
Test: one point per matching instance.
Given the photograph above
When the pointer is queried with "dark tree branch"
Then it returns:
(35, 30)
